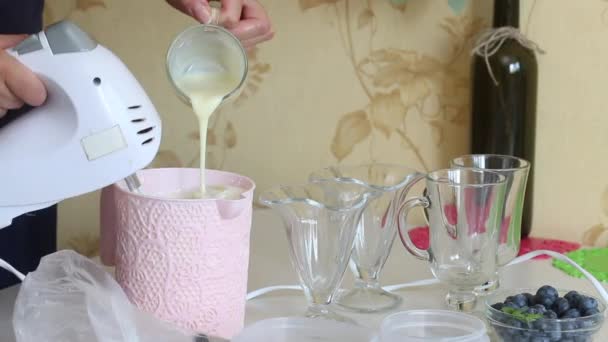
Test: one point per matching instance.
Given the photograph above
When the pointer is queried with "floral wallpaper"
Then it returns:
(396, 82)
(400, 82)
(347, 81)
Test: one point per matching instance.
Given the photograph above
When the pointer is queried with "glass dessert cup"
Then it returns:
(387, 186)
(320, 220)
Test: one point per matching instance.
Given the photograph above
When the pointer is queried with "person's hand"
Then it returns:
(18, 84)
(246, 19)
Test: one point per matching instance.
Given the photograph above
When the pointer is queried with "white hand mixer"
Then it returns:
(96, 127)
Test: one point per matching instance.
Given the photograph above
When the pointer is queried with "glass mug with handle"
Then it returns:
(464, 208)
(516, 171)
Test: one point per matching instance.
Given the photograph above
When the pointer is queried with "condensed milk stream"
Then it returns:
(206, 91)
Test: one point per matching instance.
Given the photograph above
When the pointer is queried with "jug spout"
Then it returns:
(231, 209)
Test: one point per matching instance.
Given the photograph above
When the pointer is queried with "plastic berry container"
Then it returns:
(513, 323)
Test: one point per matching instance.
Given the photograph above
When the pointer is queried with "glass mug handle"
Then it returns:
(402, 214)
(451, 228)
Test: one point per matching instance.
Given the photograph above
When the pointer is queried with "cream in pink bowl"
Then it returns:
(183, 260)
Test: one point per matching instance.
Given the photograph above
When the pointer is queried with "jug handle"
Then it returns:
(407, 242)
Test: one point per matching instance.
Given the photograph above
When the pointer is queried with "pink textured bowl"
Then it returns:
(183, 260)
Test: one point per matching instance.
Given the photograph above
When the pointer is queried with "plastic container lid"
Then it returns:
(433, 325)
(293, 329)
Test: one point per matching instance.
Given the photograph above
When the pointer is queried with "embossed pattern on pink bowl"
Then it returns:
(184, 261)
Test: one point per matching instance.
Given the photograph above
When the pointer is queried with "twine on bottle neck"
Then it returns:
(490, 41)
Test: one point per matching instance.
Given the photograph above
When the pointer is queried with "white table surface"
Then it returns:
(269, 265)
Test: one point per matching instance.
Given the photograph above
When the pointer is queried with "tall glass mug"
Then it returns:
(206, 49)
(465, 208)
(516, 171)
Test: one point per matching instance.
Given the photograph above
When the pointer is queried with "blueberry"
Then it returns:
(536, 311)
(515, 323)
(585, 324)
(582, 338)
(546, 301)
(540, 324)
(509, 299)
(512, 338)
(553, 330)
(547, 291)
(501, 331)
(568, 330)
(561, 305)
(529, 298)
(572, 313)
(590, 312)
(555, 335)
(515, 302)
(519, 299)
(540, 339)
(571, 295)
(550, 314)
(587, 303)
(524, 335)
(498, 306)
(573, 298)
(510, 305)
(540, 308)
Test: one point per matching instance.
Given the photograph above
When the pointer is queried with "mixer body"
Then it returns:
(97, 126)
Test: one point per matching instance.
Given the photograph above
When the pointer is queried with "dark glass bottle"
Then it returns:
(504, 115)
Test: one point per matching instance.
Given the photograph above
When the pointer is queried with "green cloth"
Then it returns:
(594, 260)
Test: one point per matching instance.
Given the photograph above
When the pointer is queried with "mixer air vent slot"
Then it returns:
(147, 141)
(145, 130)
(135, 107)
(138, 120)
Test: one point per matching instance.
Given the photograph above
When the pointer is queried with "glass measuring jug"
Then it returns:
(207, 65)
(207, 51)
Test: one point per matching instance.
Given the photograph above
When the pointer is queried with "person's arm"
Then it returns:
(246, 19)
(18, 84)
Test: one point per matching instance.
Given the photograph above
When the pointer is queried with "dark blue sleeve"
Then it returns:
(21, 16)
(34, 235)
(28, 239)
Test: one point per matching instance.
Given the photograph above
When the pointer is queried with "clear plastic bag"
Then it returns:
(69, 298)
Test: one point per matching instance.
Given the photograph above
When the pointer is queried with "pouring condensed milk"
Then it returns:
(207, 65)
